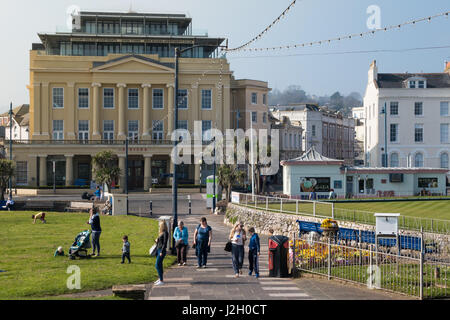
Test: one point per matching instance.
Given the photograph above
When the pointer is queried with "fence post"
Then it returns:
(332, 210)
(151, 208)
(432, 225)
(329, 258)
(256, 201)
(354, 216)
(296, 206)
(267, 203)
(246, 200)
(190, 206)
(421, 265)
(314, 208)
(281, 204)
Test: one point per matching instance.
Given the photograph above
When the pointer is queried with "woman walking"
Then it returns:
(238, 238)
(94, 221)
(161, 250)
(181, 237)
(202, 242)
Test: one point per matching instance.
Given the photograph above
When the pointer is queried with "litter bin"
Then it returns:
(278, 256)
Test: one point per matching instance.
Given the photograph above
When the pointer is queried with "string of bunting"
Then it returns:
(282, 15)
(351, 36)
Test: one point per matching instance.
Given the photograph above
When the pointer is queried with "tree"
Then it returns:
(106, 170)
(229, 174)
(7, 170)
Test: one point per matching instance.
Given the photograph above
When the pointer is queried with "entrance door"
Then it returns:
(349, 186)
(136, 174)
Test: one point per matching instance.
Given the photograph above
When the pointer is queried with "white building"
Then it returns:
(417, 122)
(360, 134)
(312, 171)
(21, 123)
(329, 132)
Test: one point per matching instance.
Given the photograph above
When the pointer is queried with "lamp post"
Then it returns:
(200, 163)
(126, 169)
(214, 177)
(10, 145)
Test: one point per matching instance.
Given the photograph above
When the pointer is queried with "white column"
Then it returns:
(147, 172)
(95, 111)
(146, 111)
(170, 109)
(42, 170)
(69, 169)
(122, 114)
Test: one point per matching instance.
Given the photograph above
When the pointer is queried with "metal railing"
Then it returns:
(321, 209)
(92, 142)
(422, 273)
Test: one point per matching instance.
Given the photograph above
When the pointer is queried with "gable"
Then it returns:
(132, 64)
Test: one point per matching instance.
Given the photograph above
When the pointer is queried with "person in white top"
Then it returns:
(238, 237)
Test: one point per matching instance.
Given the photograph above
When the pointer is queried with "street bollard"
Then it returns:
(151, 208)
(190, 206)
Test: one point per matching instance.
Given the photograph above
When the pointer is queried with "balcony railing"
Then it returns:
(92, 142)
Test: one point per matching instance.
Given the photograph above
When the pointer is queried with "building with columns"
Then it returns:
(110, 79)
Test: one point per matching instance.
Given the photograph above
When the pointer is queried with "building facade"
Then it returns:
(21, 123)
(112, 79)
(360, 135)
(329, 132)
(416, 122)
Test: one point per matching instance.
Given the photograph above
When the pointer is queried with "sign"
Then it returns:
(234, 197)
(386, 224)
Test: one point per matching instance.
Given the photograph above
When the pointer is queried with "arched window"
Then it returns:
(418, 160)
(444, 160)
(394, 160)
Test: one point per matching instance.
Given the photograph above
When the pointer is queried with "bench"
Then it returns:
(39, 205)
(135, 292)
(79, 206)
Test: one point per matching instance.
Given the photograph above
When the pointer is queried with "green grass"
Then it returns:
(32, 271)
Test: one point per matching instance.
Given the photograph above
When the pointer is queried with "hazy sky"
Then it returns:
(241, 20)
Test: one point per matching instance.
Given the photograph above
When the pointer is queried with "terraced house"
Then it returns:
(112, 78)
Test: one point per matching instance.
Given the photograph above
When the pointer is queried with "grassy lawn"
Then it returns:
(32, 271)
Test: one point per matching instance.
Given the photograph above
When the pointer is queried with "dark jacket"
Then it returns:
(161, 243)
(95, 223)
(254, 243)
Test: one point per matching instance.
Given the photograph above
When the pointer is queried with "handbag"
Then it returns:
(153, 251)
(228, 246)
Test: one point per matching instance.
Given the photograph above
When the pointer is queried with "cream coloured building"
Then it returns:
(110, 79)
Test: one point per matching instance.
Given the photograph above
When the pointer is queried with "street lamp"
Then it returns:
(200, 163)
(126, 169)
(214, 178)
(10, 146)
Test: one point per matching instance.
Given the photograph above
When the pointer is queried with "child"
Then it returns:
(59, 252)
(40, 216)
(125, 249)
(253, 252)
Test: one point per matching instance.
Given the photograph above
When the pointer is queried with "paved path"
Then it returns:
(217, 281)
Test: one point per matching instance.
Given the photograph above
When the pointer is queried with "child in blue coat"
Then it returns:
(253, 252)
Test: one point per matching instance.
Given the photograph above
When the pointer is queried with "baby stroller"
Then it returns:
(81, 245)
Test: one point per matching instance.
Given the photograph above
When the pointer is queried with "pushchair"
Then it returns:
(81, 245)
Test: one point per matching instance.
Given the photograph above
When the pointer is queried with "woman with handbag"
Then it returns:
(238, 238)
(202, 242)
(181, 237)
(161, 250)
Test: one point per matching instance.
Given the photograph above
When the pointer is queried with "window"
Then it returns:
(444, 160)
(133, 98)
(421, 84)
(444, 108)
(206, 127)
(265, 117)
(418, 133)
(58, 98)
(108, 98)
(21, 173)
(313, 130)
(133, 129)
(206, 99)
(158, 99)
(254, 98)
(394, 108)
(158, 129)
(83, 130)
(83, 98)
(254, 116)
(418, 160)
(444, 132)
(418, 108)
(108, 130)
(394, 132)
(412, 84)
(58, 129)
(264, 99)
(182, 99)
(427, 182)
(394, 160)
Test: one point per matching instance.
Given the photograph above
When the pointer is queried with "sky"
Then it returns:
(318, 70)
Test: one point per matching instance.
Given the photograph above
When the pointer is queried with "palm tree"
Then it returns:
(105, 169)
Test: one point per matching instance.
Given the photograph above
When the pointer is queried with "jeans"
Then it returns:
(181, 253)
(237, 257)
(159, 264)
(202, 252)
(96, 241)
(126, 255)
(253, 261)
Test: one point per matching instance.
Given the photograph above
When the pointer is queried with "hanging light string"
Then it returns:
(351, 36)
(282, 15)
